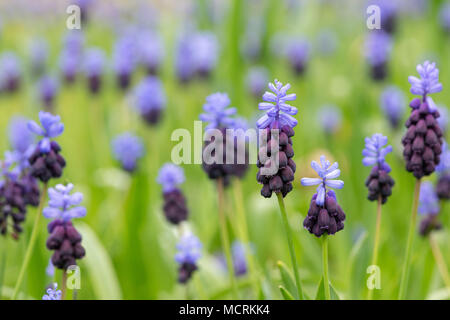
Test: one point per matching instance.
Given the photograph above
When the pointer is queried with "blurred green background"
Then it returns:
(130, 246)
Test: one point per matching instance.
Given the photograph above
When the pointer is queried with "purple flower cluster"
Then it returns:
(10, 72)
(94, 66)
(71, 55)
(429, 208)
(128, 149)
(48, 89)
(124, 60)
(46, 161)
(443, 170)
(52, 293)
(379, 182)
(298, 53)
(151, 51)
(257, 78)
(175, 208)
(38, 56)
(378, 47)
(150, 99)
(445, 17)
(393, 105)
(423, 140)
(64, 239)
(188, 252)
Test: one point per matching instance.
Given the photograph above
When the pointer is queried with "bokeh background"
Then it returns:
(130, 246)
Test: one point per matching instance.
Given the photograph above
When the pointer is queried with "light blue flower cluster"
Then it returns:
(327, 173)
(217, 112)
(444, 165)
(189, 249)
(170, 176)
(52, 127)
(393, 104)
(428, 200)
(428, 82)
(53, 293)
(149, 95)
(374, 153)
(63, 205)
(128, 148)
(378, 47)
(279, 113)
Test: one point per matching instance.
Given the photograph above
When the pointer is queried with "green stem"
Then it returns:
(412, 231)
(243, 230)
(3, 267)
(291, 244)
(63, 285)
(33, 238)
(224, 236)
(440, 262)
(326, 282)
(377, 241)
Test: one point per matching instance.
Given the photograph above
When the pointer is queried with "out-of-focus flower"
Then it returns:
(393, 104)
(188, 252)
(388, 13)
(423, 140)
(71, 55)
(278, 113)
(51, 127)
(85, 6)
(53, 293)
(428, 201)
(326, 42)
(48, 89)
(63, 205)
(444, 16)
(38, 56)
(330, 118)
(217, 112)
(443, 118)
(298, 52)
(206, 51)
(50, 270)
(184, 65)
(124, 60)
(257, 78)
(20, 137)
(94, 66)
(151, 51)
(170, 176)
(443, 170)
(10, 72)
(150, 99)
(378, 48)
(128, 149)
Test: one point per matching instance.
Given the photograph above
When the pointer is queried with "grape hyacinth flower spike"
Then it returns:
(379, 182)
(188, 252)
(276, 167)
(94, 65)
(445, 17)
(443, 170)
(46, 161)
(124, 61)
(175, 209)
(279, 117)
(422, 144)
(150, 99)
(378, 47)
(10, 72)
(128, 149)
(429, 208)
(298, 52)
(64, 239)
(48, 89)
(325, 216)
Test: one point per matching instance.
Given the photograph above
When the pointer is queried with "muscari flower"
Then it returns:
(423, 140)
(150, 51)
(378, 47)
(150, 99)
(443, 118)
(64, 239)
(48, 89)
(188, 252)
(20, 137)
(10, 72)
(71, 55)
(184, 57)
(327, 42)
(128, 149)
(393, 104)
(238, 257)
(330, 118)
(206, 49)
(379, 182)
(278, 117)
(443, 170)
(38, 56)
(388, 14)
(257, 78)
(445, 17)
(94, 65)
(124, 61)
(298, 52)
(175, 209)
(52, 293)
(46, 162)
(217, 112)
(324, 214)
(429, 209)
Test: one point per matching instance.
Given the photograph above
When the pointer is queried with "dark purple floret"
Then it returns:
(429, 223)
(65, 240)
(443, 187)
(175, 208)
(185, 271)
(12, 207)
(379, 184)
(45, 166)
(327, 218)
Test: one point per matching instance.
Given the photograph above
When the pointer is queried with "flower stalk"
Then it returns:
(326, 282)
(377, 239)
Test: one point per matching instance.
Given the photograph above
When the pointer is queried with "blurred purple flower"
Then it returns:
(326, 42)
(124, 60)
(257, 78)
(393, 104)
(150, 99)
(10, 71)
(63, 205)
(216, 111)
(20, 137)
(330, 118)
(38, 55)
(151, 51)
(188, 249)
(206, 51)
(298, 52)
(53, 293)
(444, 165)
(94, 62)
(279, 113)
(444, 16)
(428, 200)
(443, 118)
(127, 149)
(378, 47)
(48, 89)
(170, 176)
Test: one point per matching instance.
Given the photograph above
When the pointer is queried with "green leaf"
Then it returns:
(321, 292)
(287, 279)
(99, 266)
(286, 294)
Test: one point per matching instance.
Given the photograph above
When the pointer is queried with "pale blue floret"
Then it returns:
(51, 128)
(188, 249)
(374, 153)
(428, 82)
(63, 205)
(217, 112)
(52, 293)
(428, 200)
(170, 176)
(327, 173)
